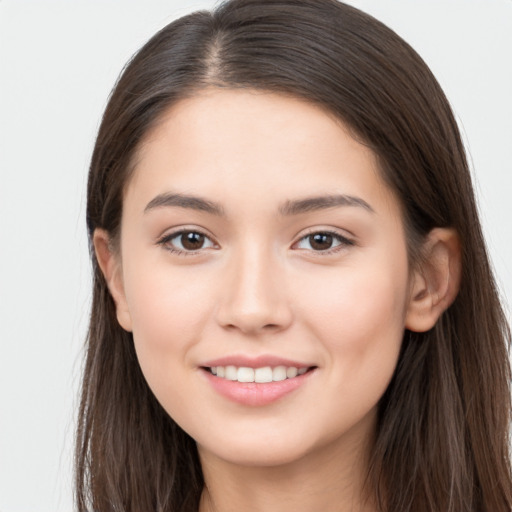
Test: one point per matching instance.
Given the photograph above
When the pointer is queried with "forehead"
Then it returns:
(254, 143)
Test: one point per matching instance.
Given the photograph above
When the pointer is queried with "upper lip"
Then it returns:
(254, 362)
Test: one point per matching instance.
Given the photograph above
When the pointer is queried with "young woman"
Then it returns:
(293, 306)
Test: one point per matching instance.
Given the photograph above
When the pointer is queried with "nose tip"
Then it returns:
(254, 300)
(253, 320)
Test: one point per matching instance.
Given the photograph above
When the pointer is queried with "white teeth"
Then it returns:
(263, 374)
(245, 374)
(291, 372)
(279, 373)
(260, 375)
(231, 373)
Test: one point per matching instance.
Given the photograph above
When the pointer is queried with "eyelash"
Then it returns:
(166, 239)
(344, 242)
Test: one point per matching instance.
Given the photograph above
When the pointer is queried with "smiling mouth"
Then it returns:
(261, 375)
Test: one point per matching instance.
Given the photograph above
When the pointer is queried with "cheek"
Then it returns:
(359, 318)
(164, 302)
(168, 310)
(356, 301)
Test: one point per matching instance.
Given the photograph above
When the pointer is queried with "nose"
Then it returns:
(254, 297)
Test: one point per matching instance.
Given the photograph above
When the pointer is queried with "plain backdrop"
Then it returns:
(58, 62)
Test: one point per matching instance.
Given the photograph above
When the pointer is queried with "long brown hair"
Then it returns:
(443, 430)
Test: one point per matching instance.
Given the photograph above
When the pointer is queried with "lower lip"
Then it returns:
(256, 394)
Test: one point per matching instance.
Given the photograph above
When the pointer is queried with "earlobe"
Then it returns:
(436, 281)
(110, 265)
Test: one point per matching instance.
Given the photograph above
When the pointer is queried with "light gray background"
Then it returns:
(58, 62)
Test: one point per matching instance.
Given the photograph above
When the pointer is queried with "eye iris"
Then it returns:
(321, 241)
(192, 241)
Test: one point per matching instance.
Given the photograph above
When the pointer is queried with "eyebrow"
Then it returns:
(289, 208)
(185, 201)
(311, 204)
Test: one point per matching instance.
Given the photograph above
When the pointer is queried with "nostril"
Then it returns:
(253, 312)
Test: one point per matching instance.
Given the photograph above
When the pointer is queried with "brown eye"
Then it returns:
(320, 241)
(186, 241)
(192, 241)
(323, 241)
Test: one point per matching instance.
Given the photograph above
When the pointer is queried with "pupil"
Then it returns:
(320, 241)
(192, 241)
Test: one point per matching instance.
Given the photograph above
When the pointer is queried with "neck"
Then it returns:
(332, 480)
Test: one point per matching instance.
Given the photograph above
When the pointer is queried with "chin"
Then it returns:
(266, 447)
(258, 455)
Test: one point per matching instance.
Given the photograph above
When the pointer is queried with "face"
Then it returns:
(259, 243)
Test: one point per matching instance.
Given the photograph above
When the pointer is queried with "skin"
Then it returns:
(259, 287)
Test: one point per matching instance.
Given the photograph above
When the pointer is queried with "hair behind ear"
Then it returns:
(444, 420)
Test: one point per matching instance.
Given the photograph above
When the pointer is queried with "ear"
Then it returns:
(436, 281)
(110, 265)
